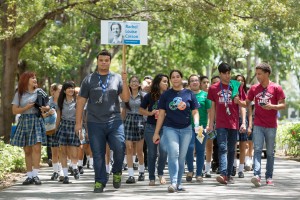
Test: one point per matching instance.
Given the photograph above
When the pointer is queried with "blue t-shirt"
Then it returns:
(178, 106)
(149, 103)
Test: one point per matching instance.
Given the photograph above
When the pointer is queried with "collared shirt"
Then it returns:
(134, 103)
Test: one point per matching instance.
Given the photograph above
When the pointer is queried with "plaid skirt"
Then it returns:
(66, 134)
(30, 130)
(52, 140)
(134, 126)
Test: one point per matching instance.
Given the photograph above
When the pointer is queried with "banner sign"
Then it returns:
(120, 32)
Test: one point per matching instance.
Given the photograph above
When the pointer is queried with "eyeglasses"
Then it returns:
(134, 81)
(192, 81)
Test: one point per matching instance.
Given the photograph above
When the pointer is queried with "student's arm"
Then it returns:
(80, 103)
(211, 117)
(159, 123)
(125, 95)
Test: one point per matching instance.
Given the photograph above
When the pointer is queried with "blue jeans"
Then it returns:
(226, 139)
(176, 142)
(260, 135)
(200, 154)
(99, 135)
(152, 153)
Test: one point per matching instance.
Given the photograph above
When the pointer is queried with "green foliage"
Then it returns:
(11, 159)
(289, 138)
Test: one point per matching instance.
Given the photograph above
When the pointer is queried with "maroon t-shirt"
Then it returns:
(223, 120)
(271, 94)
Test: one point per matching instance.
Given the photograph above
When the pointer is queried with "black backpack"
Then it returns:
(41, 100)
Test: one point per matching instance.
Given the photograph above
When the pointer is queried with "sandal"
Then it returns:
(162, 180)
(152, 183)
(189, 176)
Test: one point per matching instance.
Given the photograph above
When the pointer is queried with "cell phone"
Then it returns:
(157, 141)
(262, 104)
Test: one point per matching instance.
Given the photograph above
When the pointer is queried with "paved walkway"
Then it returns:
(286, 179)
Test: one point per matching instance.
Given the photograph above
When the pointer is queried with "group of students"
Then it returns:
(174, 121)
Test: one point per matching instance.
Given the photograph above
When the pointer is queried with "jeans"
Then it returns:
(176, 142)
(226, 139)
(261, 135)
(99, 134)
(152, 152)
(200, 154)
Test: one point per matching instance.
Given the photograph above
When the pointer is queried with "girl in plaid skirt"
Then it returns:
(30, 132)
(134, 129)
(67, 138)
(52, 140)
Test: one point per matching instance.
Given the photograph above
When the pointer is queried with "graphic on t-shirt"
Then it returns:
(177, 103)
(155, 106)
(227, 98)
(263, 98)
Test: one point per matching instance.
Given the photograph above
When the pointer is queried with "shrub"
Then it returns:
(11, 159)
(288, 138)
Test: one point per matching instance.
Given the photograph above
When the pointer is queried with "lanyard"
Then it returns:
(104, 87)
(226, 99)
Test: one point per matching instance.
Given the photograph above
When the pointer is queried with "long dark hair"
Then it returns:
(139, 91)
(244, 79)
(155, 89)
(62, 94)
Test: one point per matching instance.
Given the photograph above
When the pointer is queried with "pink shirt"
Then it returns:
(223, 120)
(272, 94)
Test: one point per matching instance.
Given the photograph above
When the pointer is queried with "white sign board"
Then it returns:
(120, 32)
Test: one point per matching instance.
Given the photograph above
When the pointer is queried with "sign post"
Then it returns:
(124, 58)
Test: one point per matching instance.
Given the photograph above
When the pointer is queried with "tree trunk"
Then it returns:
(10, 54)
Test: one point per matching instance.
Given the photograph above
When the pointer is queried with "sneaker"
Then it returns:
(270, 182)
(222, 179)
(98, 188)
(230, 180)
(207, 175)
(152, 183)
(247, 167)
(130, 180)
(61, 178)
(80, 168)
(66, 180)
(54, 176)
(171, 189)
(241, 174)
(214, 167)
(36, 180)
(76, 174)
(199, 179)
(70, 169)
(125, 167)
(233, 173)
(141, 176)
(117, 177)
(189, 176)
(50, 163)
(256, 181)
(180, 188)
(28, 181)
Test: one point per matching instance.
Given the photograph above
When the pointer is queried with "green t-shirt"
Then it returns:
(205, 104)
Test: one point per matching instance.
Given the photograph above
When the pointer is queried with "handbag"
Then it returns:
(50, 123)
